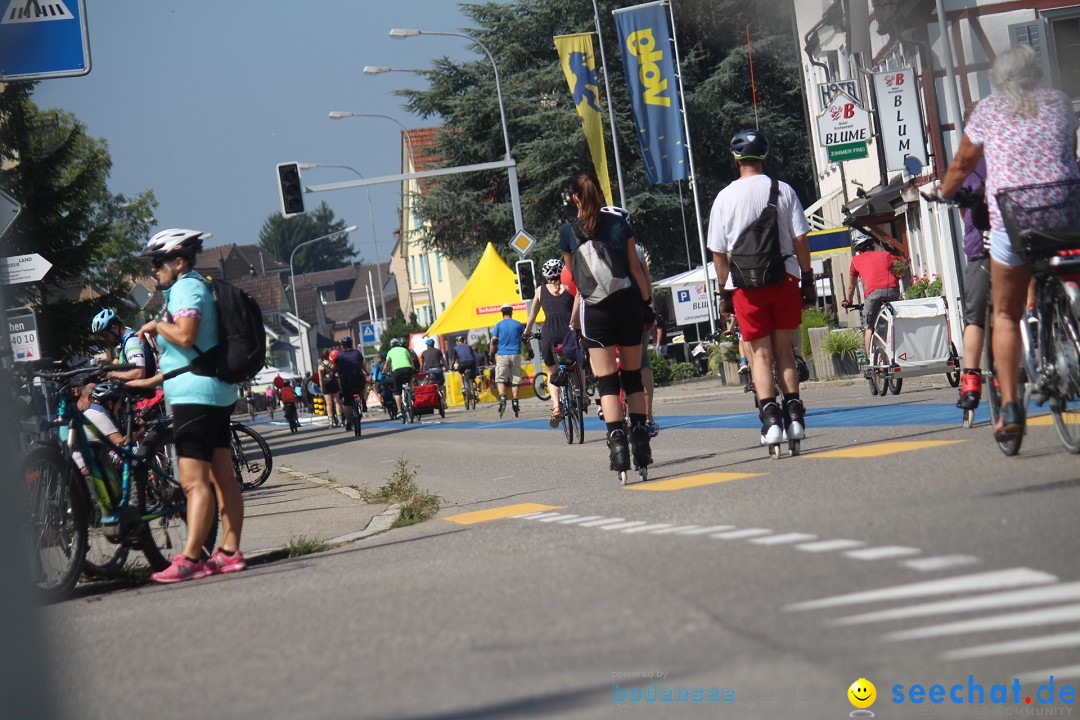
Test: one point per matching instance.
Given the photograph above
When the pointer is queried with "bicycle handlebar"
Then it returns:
(88, 372)
(965, 198)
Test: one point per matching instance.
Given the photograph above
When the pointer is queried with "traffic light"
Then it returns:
(292, 193)
(526, 279)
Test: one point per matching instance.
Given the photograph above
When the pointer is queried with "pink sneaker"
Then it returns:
(219, 562)
(181, 569)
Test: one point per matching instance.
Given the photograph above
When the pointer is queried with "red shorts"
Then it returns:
(762, 310)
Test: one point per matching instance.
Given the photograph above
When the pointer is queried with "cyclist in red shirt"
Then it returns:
(880, 284)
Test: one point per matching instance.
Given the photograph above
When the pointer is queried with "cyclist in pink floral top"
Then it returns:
(1028, 136)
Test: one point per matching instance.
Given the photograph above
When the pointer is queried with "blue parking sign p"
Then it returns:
(684, 296)
(43, 39)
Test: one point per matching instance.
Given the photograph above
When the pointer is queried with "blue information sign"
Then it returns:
(367, 333)
(43, 39)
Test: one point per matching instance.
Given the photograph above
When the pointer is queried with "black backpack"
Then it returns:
(756, 260)
(241, 349)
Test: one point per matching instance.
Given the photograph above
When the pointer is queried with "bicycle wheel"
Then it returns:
(879, 380)
(357, 415)
(252, 460)
(565, 405)
(1064, 353)
(540, 386)
(895, 384)
(577, 404)
(954, 377)
(163, 505)
(56, 520)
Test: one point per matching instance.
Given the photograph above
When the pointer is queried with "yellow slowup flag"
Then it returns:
(579, 66)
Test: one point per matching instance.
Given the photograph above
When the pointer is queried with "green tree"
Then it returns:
(398, 326)
(91, 236)
(279, 235)
(466, 212)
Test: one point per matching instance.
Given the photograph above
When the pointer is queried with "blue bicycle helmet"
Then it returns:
(102, 320)
(429, 342)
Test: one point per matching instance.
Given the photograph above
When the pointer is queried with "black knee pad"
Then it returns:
(607, 385)
(631, 381)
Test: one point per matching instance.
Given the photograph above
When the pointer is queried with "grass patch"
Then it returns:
(417, 505)
(304, 545)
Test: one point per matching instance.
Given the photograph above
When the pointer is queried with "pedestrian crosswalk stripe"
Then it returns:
(885, 448)
(1036, 644)
(783, 539)
(741, 534)
(690, 481)
(881, 553)
(941, 562)
(703, 531)
(559, 517)
(1043, 595)
(648, 528)
(623, 525)
(499, 513)
(992, 580)
(602, 521)
(576, 520)
(830, 545)
(680, 529)
(1025, 619)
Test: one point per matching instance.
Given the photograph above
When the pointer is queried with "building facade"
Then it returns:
(868, 49)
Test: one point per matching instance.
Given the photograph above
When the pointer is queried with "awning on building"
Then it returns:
(875, 210)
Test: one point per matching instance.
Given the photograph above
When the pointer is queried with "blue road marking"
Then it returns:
(829, 417)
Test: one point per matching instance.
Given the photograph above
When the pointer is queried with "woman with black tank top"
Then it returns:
(557, 303)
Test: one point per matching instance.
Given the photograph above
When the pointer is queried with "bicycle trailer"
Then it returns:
(911, 338)
(425, 394)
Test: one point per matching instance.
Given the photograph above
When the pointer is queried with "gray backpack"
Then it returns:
(599, 270)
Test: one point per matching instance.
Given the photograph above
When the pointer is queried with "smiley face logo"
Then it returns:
(862, 693)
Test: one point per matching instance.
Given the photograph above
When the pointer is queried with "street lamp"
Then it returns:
(371, 215)
(515, 196)
(380, 69)
(292, 275)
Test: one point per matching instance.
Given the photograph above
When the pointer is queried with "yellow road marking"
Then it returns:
(885, 448)
(690, 481)
(479, 516)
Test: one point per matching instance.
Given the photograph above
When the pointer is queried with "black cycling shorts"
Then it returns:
(620, 320)
(467, 369)
(200, 429)
(401, 377)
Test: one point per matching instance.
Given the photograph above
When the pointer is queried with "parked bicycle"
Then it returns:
(69, 491)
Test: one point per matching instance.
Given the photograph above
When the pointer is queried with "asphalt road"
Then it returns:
(899, 548)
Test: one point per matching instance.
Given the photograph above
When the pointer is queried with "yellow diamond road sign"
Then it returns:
(523, 242)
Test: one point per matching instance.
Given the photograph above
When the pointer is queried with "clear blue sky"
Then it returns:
(200, 99)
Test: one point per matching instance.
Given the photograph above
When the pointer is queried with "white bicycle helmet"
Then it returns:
(552, 268)
(175, 241)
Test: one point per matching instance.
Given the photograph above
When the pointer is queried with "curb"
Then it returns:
(378, 524)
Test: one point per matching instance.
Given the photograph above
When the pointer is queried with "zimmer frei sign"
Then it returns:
(844, 128)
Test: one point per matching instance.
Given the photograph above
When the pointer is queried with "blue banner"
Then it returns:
(648, 61)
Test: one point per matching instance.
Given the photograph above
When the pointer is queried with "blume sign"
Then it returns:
(900, 117)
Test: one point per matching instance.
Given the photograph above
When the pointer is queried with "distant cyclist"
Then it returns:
(880, 284)
(557, 304)
(401, 364)
(352, 374)
(433, 361)
(466, 360)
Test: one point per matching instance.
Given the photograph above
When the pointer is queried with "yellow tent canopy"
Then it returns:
(491, 285)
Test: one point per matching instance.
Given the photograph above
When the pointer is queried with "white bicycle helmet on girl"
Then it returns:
(175, 241)
(552, 268)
